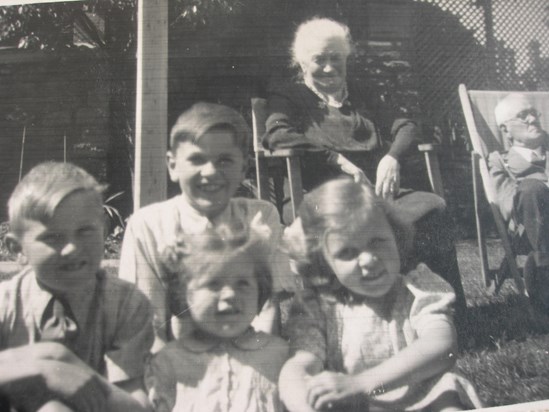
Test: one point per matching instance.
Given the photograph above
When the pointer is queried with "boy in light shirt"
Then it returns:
(207, 158)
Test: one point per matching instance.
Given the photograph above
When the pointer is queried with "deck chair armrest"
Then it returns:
(433, 167)
(280, 153)
(428, 147)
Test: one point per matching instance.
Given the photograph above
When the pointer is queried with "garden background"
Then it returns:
(67, 87)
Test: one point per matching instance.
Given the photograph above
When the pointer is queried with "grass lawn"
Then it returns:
(506, 352)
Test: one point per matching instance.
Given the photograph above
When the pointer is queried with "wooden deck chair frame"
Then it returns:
(270, 173)
(478, 108)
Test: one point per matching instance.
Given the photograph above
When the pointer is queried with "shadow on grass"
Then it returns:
(505, 351)
(511, 319)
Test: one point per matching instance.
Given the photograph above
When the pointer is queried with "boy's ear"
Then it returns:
(170, 163)
(12, 243)
(503, 129)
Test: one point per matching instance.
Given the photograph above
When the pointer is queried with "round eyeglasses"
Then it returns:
(525, 115)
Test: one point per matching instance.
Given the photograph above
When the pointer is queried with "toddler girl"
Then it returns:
(221, 278)
(362, 335)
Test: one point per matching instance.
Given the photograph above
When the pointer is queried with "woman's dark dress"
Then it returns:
(297, 117)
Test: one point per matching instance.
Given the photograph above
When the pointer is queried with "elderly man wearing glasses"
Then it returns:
(522, 189)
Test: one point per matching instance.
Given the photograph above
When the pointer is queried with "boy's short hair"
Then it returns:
(41, 190)
(191, 255)
(202, 117)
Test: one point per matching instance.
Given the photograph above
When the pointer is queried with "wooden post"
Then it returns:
(150, 183)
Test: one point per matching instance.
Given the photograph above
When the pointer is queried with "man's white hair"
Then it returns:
(506, 109)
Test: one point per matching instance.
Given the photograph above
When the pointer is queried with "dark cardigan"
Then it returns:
(363, 130)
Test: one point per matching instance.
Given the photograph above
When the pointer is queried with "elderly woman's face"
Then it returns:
(325, 65)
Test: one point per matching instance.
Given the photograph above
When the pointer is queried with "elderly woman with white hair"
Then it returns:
(352, 132)
(321, 111)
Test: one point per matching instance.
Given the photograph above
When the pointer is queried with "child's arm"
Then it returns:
(49, 369)
(77, 387)
(128, 396)
(431, 354)
(293, 380)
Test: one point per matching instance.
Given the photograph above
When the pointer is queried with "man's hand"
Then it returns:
(388, 177)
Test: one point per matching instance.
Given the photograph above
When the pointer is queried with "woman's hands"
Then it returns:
(350, 168)
(388, 177)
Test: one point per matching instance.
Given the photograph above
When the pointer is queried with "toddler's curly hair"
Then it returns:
(192, 255)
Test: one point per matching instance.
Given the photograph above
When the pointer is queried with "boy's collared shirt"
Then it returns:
(156, 226)
(114, 322)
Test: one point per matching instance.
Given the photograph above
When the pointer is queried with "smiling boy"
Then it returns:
(102, 326)
(207, 158)
(521, 181)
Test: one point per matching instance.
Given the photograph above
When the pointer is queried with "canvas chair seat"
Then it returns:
(478, 108)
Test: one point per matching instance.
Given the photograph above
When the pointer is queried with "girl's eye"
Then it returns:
(348, 253)
(86, 230)
(225, 161)
(196, 160)
(51, 238)
(243, 283)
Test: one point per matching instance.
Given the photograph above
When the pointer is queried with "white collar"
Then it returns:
(329, 99)
(193, 222)
(530, 155)
(78, 300)
(249, 341)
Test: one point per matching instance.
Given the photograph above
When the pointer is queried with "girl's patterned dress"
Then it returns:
(353, 337)
(198, 375)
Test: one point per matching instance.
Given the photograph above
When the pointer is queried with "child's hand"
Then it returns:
(327, 389)
(79, 387)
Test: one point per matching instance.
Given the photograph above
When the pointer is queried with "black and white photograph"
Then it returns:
(274, 205)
